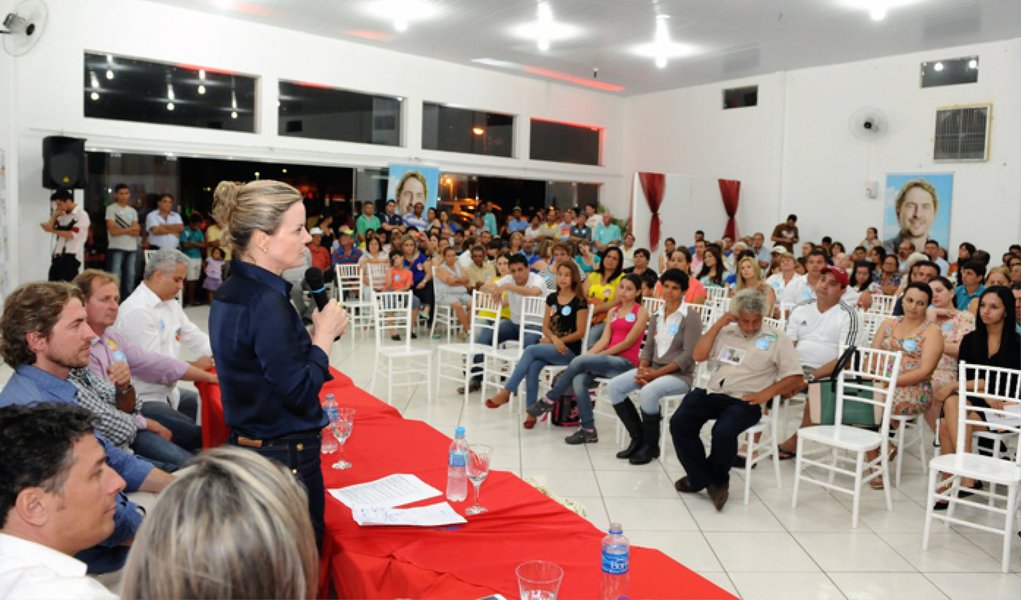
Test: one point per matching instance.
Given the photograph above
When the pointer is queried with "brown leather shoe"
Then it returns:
(719, 494)
(684, 486)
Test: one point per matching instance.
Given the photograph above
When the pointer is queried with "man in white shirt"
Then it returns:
(517, 285)
(69, 223)
(123, 231)
(804, 289)
(819, 328)
(628, 250)
(152, 318)
(164, 225)
(57, 497)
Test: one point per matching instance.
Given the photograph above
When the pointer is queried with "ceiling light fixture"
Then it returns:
(973, 64)
(661, 49)
(109, 66)
(478, 130)
(544, 21)
(545, 30)
(878, 9)
(402, 13)
(662, 39)
(937, 67)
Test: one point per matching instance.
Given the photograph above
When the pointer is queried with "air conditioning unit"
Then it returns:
(962, 133)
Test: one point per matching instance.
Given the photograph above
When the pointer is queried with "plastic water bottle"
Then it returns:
(329, 443)
(330, 407)
(615, 558)
(457, 474)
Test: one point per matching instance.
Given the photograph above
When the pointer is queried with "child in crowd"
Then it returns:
(214, 272)
(399, 279)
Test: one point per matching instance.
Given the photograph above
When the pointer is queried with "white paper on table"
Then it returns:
(422, 516)
(389, 491)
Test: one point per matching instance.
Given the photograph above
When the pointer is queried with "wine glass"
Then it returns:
(341, 426)
(477, 469)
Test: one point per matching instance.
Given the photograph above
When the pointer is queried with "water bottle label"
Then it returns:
(457, 459)
(332, 414)
(615, 564)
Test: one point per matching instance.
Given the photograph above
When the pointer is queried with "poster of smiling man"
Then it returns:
(917, 209)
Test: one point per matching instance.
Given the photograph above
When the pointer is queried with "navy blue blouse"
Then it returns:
(270, 373)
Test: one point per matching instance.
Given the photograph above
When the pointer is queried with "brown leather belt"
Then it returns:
(243, 441)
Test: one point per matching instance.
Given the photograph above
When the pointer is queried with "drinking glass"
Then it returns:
(477, 469)
(341, 427)
(539, 580)
(329, 443)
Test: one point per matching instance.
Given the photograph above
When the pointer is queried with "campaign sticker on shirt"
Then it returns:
(112, 345)
(764, 341)
(421, 266)
(163, 326)
(947, 326)
(674, 328)
(606, 293)
(731, 355)
(630, 317)
(397, 277)
(910, 345)
(566, 311)
(806, 294)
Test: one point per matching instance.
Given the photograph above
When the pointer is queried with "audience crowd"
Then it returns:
(93, 409)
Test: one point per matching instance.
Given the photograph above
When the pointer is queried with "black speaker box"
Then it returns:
(63, 162)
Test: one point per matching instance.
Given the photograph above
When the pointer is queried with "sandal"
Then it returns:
(785, 454)
(529, 422)
(491, 403)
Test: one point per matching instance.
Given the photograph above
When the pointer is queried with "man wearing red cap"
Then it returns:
(819, 328)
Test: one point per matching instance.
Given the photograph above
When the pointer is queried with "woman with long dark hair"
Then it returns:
(711, 274)
(601, 289)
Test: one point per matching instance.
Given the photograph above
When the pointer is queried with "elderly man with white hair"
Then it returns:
(152, 318)
(749, 364)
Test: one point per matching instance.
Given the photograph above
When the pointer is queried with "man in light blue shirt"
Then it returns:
(42, 363)
(606, 235)
(517, 222)
(932, 251)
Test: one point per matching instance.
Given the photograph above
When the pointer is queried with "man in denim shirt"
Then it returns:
(44, 336)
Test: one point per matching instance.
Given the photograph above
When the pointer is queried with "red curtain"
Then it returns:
(653, 185)
(730, 189)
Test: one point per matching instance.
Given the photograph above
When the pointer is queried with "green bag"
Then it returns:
(822, 399)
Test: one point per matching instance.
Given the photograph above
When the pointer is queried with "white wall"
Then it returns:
(52, 103)
(794, 153)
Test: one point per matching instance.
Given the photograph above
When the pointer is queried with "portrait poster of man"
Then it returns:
(918, 207)
(408, 184)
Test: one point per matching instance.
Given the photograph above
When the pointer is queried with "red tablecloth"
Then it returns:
(465, 561)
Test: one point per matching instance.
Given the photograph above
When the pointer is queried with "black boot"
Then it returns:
(633, 423)
(650, 433)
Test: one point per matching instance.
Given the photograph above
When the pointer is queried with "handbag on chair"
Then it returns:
(822, 399)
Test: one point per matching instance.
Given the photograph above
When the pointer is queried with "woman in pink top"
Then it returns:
(614, 353)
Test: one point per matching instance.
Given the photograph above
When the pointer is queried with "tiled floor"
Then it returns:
(763, 550)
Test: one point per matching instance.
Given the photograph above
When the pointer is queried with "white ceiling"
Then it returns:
(735, 38)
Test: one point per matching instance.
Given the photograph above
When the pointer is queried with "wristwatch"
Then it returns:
(810, 378)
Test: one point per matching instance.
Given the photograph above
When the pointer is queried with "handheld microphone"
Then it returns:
(317, 286)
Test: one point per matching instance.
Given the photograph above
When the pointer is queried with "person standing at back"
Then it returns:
(164, 225)
(69, 223)
(123, 231)
(786, 234)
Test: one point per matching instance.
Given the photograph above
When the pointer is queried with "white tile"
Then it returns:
(689, 548)
(735, 516)
(783, 586)
(823, 514)
(660, 514)
(906, 517)
(855, 551)
(635, 484)
(948, 552)
(566, 458)
(767, 552)
(978, 586)
(993, 546)
(565, 483)
(886, 586)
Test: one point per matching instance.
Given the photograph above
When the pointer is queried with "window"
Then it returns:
(741, 97)
(129, 89)
(469, 131)
(953, 71)
(313, 111)
(564, 142)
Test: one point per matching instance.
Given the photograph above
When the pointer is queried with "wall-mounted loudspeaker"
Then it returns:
(63, 162)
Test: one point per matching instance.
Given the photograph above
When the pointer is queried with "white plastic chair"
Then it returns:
(714, 294)
(870, 322)
(915, 426)
(393, 312)
(549, 372)
(349, 294)
(498, 363)
(653, 305)
(455, 362)
(446, 319)
(706, 312)
(985, 383)
(882, 304)
(870, 370)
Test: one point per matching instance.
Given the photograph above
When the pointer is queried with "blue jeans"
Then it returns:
(299, 452)
(123, 264)
(650, 394)
(580, 373)
(733, 416)
(531, 363)
(162, 453)
(186, 433)
(594, 333)
(507, 330)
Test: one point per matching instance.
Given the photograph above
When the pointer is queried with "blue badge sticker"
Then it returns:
(163, 326)
(397, 277)
(910, 345)
(606, 293)
(806, 294)
(764, 341)
(566, 311)
(949, 325)
(630, 317)
(674, 328)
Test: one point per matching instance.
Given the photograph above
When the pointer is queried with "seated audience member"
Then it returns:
(712, 271)
(954, 325)
(627, 248)
(117, 359)
(889, 278)
(559, 253)
(346, 252)
(680, 259)
(994, 343)
(607, 234)
(864, 283)
(586, 259)
(819, 328)
(749, 277)
(235, 526)
(417, 262)
(152, 318)
(749, 363)
(921, 344)
(562, 331)
(669, 245)
(871, 239)
(57, 497)
(970, 277)
(788, 274)
(450, 287)
(510, 288)
(601, 289)
(922, 271)
(805, 288)
(415, 219)
(479, 270)
(45, 336)
(399, 279)
(932, 253)
(640, 259)
(665, 368)
(994, 277)
(614, 353)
